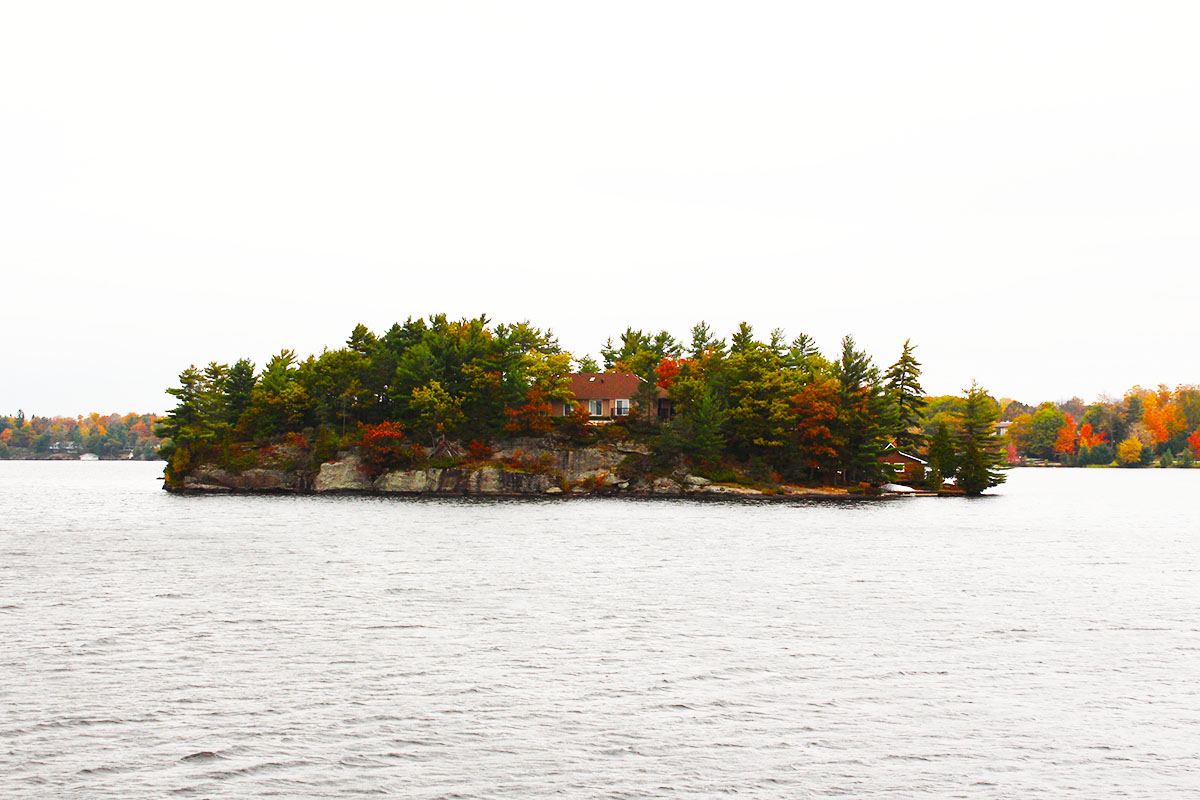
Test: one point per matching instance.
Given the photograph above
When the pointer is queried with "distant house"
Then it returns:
(904, 467)
(610, 395)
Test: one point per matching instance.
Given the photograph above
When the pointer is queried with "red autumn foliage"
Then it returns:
(479, 451)
(296, 440)
(383, 447)
(668, 371)
(533, 417)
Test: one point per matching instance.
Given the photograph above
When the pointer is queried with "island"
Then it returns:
(444, 406)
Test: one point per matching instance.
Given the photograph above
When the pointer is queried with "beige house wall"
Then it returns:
(606, 406)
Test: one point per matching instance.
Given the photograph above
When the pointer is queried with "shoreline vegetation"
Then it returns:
(1146, 427)
(470, 407)
(115, 437)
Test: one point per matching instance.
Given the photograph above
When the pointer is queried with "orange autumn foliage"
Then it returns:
(1066, 437)
(1089, 438)
(1163, 420)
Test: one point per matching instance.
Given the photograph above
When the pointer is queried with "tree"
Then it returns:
(982, 455)
(632, 343)
(281, 402)
(438, 411)
(586, 363)
(743, 339)
(190, 427)
(865, 417)
(1065, 441)
(1089, 438)
(815, 410)
(1133, 406)
(704, 341)
(943, 459)
(239, 389)
(699, 430)
(1020, 434)
(802, 354)
(1046, 424)
(707, 420)
(907, 399)
(1129, 452)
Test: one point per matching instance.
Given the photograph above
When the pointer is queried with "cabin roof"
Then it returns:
(606, 385)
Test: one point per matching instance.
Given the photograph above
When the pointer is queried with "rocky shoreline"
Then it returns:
(554, 471)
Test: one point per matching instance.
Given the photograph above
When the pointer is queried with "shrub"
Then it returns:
(718, 473)
(238, 457)
(383, 447)
(1102, 454)
(636, 466)
(577, 427)
(479, 450)
(760, 471)
(327, 444)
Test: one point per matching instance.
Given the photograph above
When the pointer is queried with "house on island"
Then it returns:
(904, 467)
(611, 395)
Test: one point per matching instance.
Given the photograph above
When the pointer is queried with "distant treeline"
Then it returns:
(112, 436)
(772, 408)
(1144, 427)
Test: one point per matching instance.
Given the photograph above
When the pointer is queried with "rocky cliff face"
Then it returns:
(485, 480)
(543, 467)
(215, 479)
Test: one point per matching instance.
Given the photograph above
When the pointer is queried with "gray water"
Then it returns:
(1044, 642)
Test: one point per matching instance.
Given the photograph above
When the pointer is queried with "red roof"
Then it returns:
(606, 386)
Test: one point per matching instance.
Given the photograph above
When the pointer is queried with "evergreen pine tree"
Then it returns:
(981, 452)
(907, 398)
(942, 457)
(703, 340)
(742, 339)
(865, 419)
(700, 430)
(239, 389)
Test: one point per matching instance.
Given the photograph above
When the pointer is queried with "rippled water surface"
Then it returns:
(1044, 642)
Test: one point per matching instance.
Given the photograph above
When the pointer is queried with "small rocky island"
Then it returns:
(471, 408)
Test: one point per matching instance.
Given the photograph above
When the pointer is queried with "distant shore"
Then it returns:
(27, 454)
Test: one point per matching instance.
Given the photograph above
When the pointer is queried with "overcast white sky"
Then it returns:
(1013, 186)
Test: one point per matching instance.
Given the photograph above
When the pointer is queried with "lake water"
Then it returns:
(1042, 642)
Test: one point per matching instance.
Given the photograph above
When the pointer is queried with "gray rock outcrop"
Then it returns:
(482, 481)
(343, 475)
(215, 479)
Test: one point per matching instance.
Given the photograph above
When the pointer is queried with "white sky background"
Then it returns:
(1014, 186)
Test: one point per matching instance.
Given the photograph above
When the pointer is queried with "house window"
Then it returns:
(620, 408)
(568, 409)
(596, 408)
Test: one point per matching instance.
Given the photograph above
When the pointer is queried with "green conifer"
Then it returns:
(981, 451)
